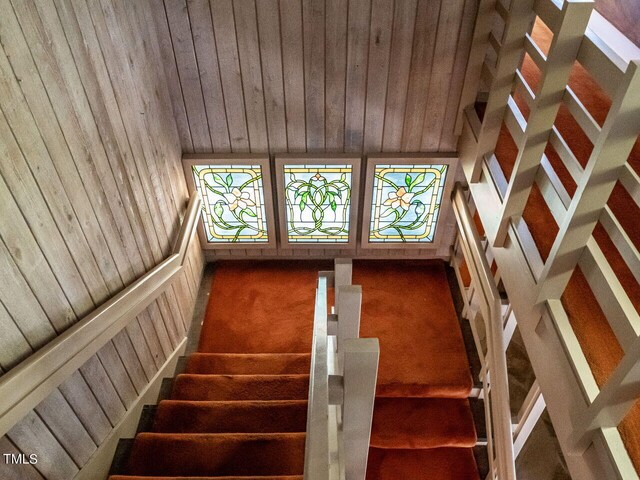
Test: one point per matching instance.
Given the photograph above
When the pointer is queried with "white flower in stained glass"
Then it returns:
(233, 203)
(237, 199)
(400, 198)
(406, 201)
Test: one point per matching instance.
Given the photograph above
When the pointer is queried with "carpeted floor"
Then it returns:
(239, 410)
(261, 307)
(408, 306)
(422, 422)
(598, 342)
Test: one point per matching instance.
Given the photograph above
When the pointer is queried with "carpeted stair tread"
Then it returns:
(414, 464)
(154, 477)
(240, 387)
(239, 413)
(251, 363)
(409, 308)
(235, 454)
(422, 423)
(180, 416)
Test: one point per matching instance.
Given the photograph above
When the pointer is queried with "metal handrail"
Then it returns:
(32, 380)
(496, 375)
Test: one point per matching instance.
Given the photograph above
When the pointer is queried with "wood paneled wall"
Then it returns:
(624, 15)
(91, 196)
(315, 75)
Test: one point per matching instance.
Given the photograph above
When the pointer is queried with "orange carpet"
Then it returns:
(239, 409)
(237, 420)
(408, 306)
(598, 342)
(433, 463)
(264, 307)
(422, 422)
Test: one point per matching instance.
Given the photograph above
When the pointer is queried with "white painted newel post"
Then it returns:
(349, 303)
(343, 268)
(360, 373)
(342, 385)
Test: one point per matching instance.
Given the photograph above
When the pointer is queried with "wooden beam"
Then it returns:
(359, 379)
(555, 75)
(613, 402)
(609, 155)
(479, 43)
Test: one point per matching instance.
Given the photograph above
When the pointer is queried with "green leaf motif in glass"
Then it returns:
(406, 202)
(317, 203)
(233, 209)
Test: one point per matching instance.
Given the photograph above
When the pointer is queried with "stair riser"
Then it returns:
(228, 417)
(218, 455)
(229, 388)
(230, 364)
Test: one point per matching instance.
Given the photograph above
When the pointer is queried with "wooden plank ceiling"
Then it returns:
(315, 75)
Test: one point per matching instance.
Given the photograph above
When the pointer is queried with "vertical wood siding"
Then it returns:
(91, 197)
(316, 75)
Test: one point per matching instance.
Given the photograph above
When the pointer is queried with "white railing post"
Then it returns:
(359, 379)
(349, 304)
(500, 392)
(316, 462)
(614, 400)
(341, 396)
(343, 268)
(528, 417)
(491, 308)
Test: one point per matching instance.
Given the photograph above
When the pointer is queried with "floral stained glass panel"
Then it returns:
(406, 202)
(233, 208)
(317, 203)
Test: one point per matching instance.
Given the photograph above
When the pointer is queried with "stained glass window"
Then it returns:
(406, 202)
(317, 203)
(233, 203)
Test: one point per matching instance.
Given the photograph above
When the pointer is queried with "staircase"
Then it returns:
(423, 426)
(229, 416)
(240, 413)
(239, 409)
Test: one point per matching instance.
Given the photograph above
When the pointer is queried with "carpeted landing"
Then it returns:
(238, 412)
(422, 423)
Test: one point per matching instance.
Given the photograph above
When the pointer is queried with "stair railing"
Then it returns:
(495, 382)
(342, 383)
(32, 380)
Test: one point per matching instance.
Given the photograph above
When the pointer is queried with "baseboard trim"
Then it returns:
(98, 465)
